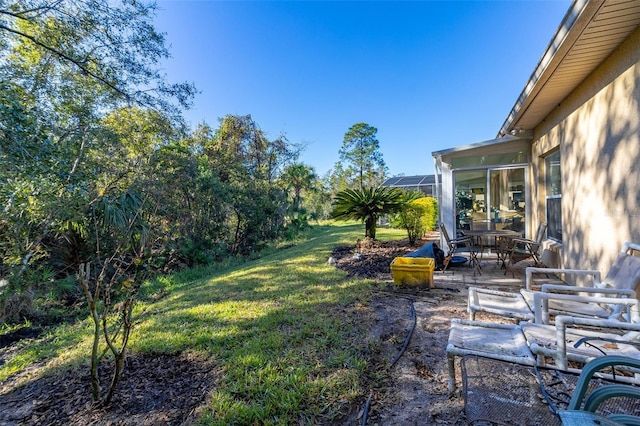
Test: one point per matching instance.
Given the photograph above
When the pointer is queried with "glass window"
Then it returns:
(470, 190)
(553, 187)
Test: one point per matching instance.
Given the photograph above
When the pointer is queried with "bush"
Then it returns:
(418, 216)
(430, 215)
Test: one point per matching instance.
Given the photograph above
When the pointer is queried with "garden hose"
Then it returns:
(404, 347)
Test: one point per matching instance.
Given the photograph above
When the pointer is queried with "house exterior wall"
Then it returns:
(597, 129)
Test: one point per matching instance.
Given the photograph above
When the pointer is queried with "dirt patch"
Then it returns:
(154, 390)
(414, 389)
(371, 259)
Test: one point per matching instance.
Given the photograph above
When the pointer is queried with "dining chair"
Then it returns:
(525, 248)
(459, 244)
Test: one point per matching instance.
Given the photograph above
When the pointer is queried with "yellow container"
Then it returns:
(414, 271)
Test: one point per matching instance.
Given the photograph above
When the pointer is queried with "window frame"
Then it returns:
(553, 197)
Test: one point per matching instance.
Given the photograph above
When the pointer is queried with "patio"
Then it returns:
(492, 275)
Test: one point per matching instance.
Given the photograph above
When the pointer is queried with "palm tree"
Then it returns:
(367, 205)
(298, 177)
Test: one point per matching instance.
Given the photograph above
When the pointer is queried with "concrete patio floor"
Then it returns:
(491, 275)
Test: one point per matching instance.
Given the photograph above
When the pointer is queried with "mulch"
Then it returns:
(372, 259)
(156, 389)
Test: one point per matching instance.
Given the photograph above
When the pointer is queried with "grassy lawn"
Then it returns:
(287, 331)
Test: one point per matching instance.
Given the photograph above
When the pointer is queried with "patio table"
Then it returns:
(481, 234)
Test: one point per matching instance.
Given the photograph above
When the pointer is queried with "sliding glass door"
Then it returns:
(490, 199)
(508, 198)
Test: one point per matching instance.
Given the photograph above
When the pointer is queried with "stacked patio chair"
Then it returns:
(569, 343)
(596, 299)
(584, 324)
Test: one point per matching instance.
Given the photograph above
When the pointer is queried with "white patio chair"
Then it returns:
(622, 280)
(567, 340)
(531, 344)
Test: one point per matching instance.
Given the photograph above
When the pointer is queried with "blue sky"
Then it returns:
(428, 75)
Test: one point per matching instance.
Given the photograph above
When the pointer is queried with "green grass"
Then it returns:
(285, 330)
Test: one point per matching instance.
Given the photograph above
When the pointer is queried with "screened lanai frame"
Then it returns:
(500, 156)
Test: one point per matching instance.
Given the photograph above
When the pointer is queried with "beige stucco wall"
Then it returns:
(597, 128)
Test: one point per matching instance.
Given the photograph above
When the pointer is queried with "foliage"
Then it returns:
(367, 205)
(419, 215)
(92, 144)
(317, 204)
(361, 163)
(69, 64)
(430, 205)
(88, 45)
(102, 183)
(111, 284)
(297, 179)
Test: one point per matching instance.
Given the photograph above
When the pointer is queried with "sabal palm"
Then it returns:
(298, 177)
(367, 205)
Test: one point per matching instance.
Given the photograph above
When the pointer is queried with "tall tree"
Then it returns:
(111, 43)
(298, 177)
(361, 152)
(249, 163)
(70, 62)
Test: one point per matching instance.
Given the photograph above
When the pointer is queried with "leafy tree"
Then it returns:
(318, 201)
(430, 205)
(361, 152)
(112, 44)
(367, 205)
(240, 149)
(111, 283)
(248, 165)
(69, 62)
(68, 173)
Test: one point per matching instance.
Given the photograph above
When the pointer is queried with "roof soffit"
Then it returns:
(588, 34)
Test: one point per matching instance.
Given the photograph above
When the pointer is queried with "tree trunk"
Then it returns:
(370, 228)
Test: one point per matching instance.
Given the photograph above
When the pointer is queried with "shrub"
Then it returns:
(430, 217)
(418, 216)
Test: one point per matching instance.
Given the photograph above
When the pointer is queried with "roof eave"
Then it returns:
(500, 140)
(579, 14)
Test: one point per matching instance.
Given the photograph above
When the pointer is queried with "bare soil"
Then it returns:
(170, 389)
(415, 388)
(154, 390)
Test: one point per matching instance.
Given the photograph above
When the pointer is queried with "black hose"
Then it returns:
(406, 341)
(366, 409)
(404, 347)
